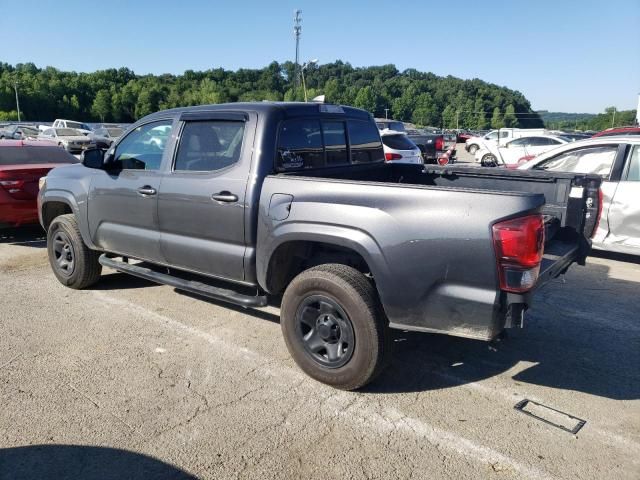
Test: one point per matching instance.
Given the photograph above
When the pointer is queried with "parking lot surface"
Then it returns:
(135, 380)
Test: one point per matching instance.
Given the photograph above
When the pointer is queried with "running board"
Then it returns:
(192, 286)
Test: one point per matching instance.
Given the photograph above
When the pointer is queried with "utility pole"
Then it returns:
(613, 119)
(15, 87)
(297, 31)
(457, 119)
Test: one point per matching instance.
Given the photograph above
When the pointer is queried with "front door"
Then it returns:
(123, 202)
(201, 204)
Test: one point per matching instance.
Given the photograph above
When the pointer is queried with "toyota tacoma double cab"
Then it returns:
(249, 203)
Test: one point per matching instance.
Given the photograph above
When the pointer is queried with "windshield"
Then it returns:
(491, 135)
(77, 125)
(398, 142)
(67, 132)
(114, 132)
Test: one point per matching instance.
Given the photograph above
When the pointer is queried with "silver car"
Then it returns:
(69, 138)
(617, 160)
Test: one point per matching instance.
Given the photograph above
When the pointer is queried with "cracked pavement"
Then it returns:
(136, 380)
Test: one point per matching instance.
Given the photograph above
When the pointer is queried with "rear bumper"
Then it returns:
(14, 213)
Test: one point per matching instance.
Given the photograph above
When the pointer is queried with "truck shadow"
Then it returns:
(77, 461)
(28, 236)
(582, 335)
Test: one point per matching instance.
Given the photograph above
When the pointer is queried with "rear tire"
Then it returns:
(73, 263)
(473, 149)
(334, 327)
(489, 160)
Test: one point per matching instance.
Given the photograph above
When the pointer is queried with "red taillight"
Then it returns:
(439, 143)
(525, 159)
(519, 246)
(443, 160)
(392, 156)
(21, 184)
(600, 201)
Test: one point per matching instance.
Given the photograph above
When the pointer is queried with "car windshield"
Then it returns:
(76, 125)
(25, 155)
(67, 132)
(114, 132)
(398, 142)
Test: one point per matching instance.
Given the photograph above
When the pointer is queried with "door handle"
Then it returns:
(147, 190)
(225, 196)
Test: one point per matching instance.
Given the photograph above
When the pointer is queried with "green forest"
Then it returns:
(119, 95)
(588, 121)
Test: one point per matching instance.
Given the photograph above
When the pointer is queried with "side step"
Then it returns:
(192, 286)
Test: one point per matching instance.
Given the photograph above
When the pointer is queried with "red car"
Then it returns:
(618, 131)
(22, 163)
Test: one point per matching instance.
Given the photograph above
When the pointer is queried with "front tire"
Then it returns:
(334, 327)
(489, 160)
(73, 263)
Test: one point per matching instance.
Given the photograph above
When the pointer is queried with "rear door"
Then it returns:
(123, 203)
(202, 204)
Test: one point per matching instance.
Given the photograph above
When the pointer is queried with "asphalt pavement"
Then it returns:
(135, 380)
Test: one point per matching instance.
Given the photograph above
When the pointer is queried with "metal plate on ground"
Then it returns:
(561, 420)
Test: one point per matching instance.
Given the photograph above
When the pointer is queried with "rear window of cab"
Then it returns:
(315, 143)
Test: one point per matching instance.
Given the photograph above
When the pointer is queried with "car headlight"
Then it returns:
(42, 181)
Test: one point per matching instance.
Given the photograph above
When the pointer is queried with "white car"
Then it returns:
(617, 161)
(473, 144)
(511, 152)
(399, 148)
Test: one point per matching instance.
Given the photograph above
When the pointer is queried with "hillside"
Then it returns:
(121, 95)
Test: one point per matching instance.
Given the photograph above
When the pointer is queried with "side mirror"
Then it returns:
(93, 158)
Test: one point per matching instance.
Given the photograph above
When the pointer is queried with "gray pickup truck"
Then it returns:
(293, 203)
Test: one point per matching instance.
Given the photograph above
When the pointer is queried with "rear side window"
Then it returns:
(335, 142)
(300, 145)
(33, 155)
(365, 142)
(598, 160)
(398, 142)
(209, 146)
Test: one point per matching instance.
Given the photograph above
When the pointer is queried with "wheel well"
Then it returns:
(291, 258)
(51, 210)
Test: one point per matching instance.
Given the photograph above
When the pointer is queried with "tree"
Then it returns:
(496, 120)
(366, 99)
(510, 119)
(449, 117)
(101, 107)
(425, 112)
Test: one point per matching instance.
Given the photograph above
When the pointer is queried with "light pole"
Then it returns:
(304, 67)
(386, 112)
(15, 88)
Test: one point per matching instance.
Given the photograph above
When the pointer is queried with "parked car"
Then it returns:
(618, 131)
(500, 136)
(399, 148)
(254, 200)
(512, 151)
(70, 139)
(434, 147)
(22, 164)
(61, 123)
(617, 161)
(463, 136)
(103, 137)
(574, 137)
(18, 132)
(388, 124)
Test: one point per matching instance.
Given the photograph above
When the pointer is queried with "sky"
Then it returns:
(563, 55)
